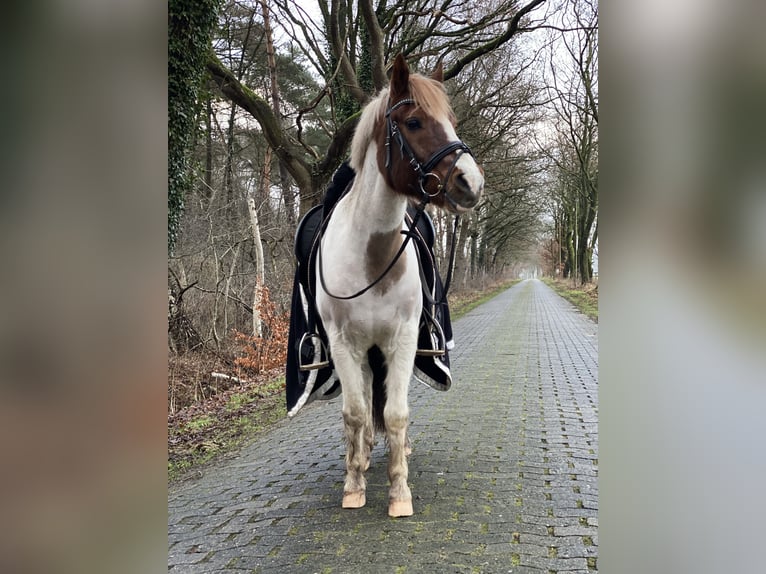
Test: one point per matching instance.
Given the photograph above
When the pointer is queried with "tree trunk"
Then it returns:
(228, 176)
(571, 260)
(461, 256)
(255, 229)
(216, 265)
(227, 287)
(207, 191)
(288, 194)
(584, 242)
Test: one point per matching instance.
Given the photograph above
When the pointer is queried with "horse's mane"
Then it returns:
(428, 95)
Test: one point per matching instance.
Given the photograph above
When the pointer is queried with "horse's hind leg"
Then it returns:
(356, 422)
(396, 415)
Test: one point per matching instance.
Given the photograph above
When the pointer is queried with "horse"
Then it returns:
(369, 296)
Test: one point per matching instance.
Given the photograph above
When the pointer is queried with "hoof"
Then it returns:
(398, 508)
(367, 465)
(354, 499)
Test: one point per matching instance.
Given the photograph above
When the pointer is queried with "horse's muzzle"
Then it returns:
(464, 189)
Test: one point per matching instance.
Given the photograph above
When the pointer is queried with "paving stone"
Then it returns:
(504, 469)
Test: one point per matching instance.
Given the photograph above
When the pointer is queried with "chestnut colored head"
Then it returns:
(432, 159)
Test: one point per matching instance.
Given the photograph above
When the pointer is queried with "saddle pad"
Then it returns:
(302, 387)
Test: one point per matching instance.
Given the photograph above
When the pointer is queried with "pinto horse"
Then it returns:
(369, 294)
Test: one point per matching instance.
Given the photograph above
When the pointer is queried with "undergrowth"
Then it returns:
(218, 398)
(227, 421)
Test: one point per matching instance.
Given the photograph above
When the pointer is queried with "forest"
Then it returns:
(263, 98)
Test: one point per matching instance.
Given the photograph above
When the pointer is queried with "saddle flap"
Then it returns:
(307, 230)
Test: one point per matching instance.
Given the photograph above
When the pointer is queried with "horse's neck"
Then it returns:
(374, 206)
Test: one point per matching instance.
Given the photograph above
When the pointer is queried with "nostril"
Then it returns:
(462, 184)
(464, 187)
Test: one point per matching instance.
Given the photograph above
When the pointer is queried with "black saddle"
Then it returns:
(310, 373)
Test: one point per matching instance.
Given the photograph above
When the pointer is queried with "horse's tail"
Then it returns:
(379, 370)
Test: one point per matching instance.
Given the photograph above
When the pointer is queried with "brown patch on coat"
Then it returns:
(381, 250)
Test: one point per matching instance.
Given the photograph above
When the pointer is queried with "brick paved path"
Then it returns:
(503, 471)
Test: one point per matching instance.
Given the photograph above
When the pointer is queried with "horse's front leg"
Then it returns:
(357, 422)
(369, 429)
(397, 415)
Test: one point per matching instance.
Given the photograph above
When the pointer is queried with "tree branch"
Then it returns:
(260, 109)
(339, 145)
(513, 28)
(376, 44)
(338, 40)
(244, 305)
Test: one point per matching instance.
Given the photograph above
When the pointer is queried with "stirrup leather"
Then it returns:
(320, 351)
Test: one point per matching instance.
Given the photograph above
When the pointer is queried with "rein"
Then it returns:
(424, 172)
(409, 234)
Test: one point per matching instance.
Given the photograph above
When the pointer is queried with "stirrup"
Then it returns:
(439, 351)
(318, 363)
(438, 346)
(430, 352)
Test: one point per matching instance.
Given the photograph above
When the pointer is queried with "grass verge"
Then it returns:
(584, 297)
(201, 432)
(465, 301)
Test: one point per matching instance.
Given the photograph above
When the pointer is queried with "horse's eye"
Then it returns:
(412, 124)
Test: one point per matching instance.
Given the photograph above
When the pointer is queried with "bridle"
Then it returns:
(423, 171)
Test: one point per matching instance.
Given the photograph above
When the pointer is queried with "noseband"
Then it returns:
(423, 170)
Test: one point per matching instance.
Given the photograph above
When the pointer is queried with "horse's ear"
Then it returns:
(438, 73)
(400, 77)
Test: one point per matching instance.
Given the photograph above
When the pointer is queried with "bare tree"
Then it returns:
(573, 71)
(287, 86)
(353, 69)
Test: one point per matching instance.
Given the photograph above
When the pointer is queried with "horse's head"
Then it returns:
(418, 151)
